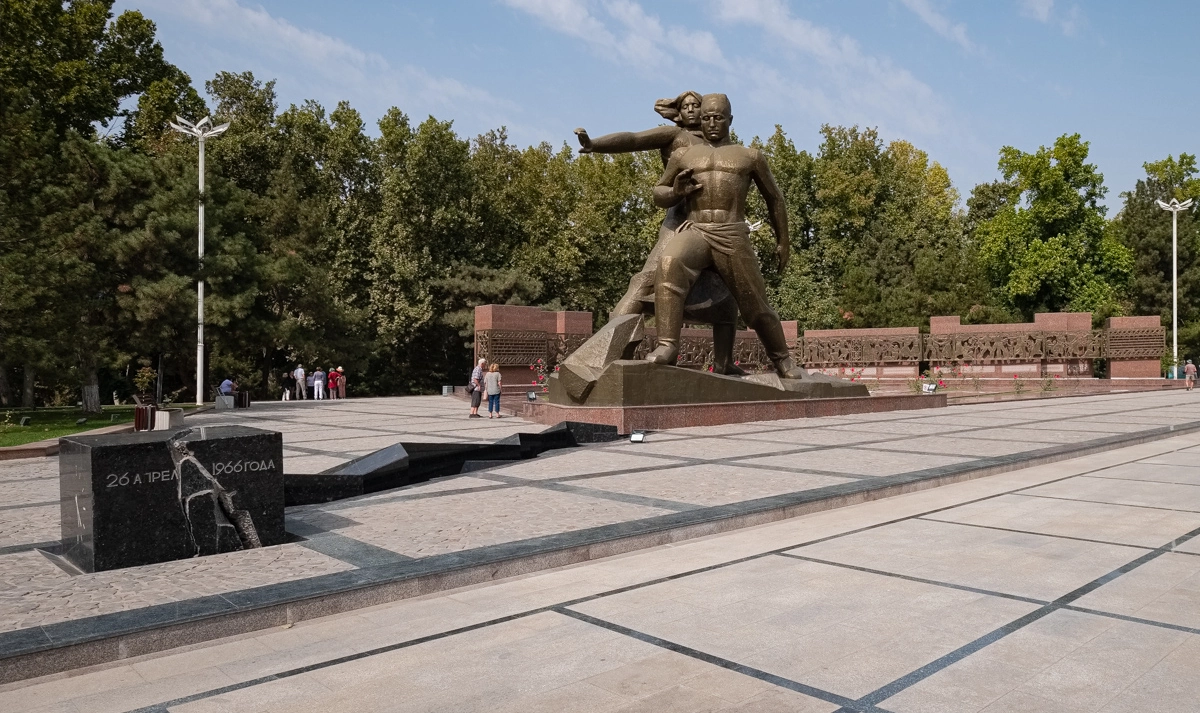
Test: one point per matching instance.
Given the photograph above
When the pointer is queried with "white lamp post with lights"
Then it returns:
(1175, 207)
(202, 130)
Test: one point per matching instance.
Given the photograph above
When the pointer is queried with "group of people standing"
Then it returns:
(485, 380)
(321, 384)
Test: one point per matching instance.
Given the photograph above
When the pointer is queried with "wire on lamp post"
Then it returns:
(202, 130)
(1175, 207)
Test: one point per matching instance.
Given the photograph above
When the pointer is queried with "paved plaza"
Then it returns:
(1071, 585)
(319, 435)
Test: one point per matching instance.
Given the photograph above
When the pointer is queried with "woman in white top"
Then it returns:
(491, 382)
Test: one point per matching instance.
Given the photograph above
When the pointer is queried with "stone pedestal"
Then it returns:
(134, 499)
(625, 383)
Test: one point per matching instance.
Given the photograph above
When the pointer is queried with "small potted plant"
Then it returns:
(144, 380)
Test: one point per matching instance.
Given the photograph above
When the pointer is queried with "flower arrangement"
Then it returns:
(542, 373)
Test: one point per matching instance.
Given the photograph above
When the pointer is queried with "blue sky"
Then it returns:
(958, 79)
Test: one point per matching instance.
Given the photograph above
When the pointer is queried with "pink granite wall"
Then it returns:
(1002, 352)
(1123, 330)
(516, 336)
(881, 353)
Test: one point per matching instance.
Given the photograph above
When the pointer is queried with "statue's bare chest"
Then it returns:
(726, 159)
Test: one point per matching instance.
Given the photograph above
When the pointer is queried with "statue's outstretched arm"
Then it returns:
(657, 138)
(776, 205)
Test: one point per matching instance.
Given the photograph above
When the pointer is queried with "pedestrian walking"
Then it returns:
(341, 382)
(288, 382)
(332, 379)
(319, 384)
(301, 382)
(1189, 374)
(475, 388)
(491, 382)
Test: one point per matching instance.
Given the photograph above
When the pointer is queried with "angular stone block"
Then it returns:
(615, 340)
(611, 343)
(156, 496)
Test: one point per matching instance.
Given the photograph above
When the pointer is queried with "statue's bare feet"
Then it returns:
(665, 354)
(787, 369)
(728, 369)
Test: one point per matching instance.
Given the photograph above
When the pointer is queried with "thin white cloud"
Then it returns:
(1044, 12)
(859, 88)
(315, 59)
(939, 23)
(1037, 9)
(634, 36)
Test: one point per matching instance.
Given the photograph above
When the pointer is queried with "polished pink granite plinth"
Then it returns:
(658, 418)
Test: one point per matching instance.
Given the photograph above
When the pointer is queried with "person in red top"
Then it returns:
(333, 383)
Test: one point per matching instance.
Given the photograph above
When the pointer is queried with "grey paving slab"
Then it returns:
(1029, 565)
(420, 528)
(1166, 589)
(1069, 518)
(44, 597)
(1124, 492)
(711, 484)
(837, 629)
(1065, 662)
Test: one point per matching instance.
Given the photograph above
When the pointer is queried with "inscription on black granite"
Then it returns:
(156, 496)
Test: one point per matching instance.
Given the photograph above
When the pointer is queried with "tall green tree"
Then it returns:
(65, 68)
(1046, 248)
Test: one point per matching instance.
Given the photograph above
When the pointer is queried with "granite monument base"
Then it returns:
(156, 496)
(627, 419)
(625, 383)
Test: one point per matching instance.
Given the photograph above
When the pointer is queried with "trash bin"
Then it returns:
(447, 391)
(242, 399)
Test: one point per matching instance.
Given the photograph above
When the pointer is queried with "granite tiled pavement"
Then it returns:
(606, 484)
(1027, 591)
(318, 435)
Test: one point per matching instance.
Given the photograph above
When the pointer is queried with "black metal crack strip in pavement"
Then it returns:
(163, 707)
(780, 681)
(907, 681)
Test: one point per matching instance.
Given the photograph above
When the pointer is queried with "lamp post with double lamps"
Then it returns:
(202, 130)
(1175, 206)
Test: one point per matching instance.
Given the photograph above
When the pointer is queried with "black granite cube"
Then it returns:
(140, 498)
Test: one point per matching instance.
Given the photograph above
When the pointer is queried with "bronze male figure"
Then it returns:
(712, 303)
(711, 181)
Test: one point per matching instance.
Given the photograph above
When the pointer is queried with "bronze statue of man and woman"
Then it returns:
(703, 266)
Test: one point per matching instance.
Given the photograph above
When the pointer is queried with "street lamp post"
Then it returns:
(1175, 206)
(202, 130)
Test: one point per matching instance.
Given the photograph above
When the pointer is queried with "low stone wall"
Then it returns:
(1057, 344)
